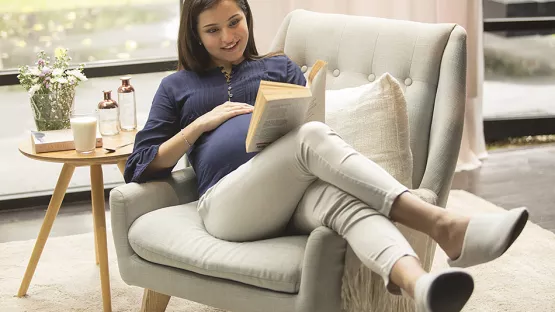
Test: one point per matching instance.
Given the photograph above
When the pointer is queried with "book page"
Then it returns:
(279, 117)
(281, 107)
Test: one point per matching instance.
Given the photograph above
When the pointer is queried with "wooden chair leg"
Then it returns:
(154, 302)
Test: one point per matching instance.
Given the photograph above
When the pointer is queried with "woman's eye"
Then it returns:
(212, 30)
(234, 22)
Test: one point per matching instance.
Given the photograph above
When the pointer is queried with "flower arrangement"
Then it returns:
(51, 88)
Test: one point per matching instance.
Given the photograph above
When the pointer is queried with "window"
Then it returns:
(519, 58)
(111, 37)
(93, 30)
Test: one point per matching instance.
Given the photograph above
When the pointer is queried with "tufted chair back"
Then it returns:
(420, 56)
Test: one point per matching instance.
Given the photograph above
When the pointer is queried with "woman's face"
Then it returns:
(224, 32)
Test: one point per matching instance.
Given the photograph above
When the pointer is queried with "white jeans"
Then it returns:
(310, 177)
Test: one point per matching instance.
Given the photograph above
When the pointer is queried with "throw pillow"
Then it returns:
(373, 119)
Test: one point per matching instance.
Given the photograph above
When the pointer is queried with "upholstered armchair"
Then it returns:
(160, 240)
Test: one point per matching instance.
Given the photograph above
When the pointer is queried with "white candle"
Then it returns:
(84, 133)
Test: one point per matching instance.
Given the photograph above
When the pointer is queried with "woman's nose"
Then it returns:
(227, 36)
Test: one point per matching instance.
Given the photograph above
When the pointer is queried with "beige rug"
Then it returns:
(67, 279)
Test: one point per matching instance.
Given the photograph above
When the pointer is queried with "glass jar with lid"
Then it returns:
(127, 105)
(108, 115)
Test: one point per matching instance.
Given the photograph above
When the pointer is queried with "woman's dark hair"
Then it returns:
(193, 56)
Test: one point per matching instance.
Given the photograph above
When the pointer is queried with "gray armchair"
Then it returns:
(160, 240)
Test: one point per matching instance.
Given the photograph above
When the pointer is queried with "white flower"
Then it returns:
(77, 74)
(35, 71)
(60, 80)
(34, 89)
(57, 72)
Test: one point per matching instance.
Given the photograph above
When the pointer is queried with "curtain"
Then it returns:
(268, 15)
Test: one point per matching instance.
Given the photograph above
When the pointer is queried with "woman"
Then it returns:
(310, 176)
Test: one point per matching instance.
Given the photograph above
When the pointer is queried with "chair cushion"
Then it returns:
(176, 237)
(373, 119)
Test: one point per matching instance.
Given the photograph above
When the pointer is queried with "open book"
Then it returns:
(281, 107)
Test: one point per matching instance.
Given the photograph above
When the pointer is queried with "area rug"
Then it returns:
(67, 278)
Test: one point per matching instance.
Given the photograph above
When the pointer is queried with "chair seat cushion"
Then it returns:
(176, 237)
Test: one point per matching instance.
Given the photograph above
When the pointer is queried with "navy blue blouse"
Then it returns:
(184, 96)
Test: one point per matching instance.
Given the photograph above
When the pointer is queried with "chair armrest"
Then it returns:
(448, 119)
(322, 273)
(130, 201)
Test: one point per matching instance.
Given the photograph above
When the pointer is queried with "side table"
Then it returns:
(72, 159)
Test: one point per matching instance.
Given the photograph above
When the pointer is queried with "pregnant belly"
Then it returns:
(225, 146)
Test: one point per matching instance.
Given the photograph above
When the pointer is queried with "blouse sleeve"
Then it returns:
(294, 73)
(162, 124)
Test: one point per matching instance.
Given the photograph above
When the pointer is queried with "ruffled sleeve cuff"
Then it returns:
(137, 164)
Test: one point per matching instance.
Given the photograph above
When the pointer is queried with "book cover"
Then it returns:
(56, 140)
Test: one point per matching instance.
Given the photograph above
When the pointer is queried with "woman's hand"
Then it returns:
(221, 113)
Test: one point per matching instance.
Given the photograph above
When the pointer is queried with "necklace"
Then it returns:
(228, 80)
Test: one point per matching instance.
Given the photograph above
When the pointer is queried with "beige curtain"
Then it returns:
(268, 15)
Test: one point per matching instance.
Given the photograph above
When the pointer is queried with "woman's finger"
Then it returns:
(239, 103)
(241, 107)
(239, 112)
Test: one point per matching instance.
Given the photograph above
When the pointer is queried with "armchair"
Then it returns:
(160, 241)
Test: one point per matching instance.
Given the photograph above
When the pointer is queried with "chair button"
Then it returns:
(408, 82)
(371, 77)
(336, 73)
(304, 68)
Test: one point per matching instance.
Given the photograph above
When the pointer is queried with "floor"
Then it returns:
(517, 177)
(509, 178)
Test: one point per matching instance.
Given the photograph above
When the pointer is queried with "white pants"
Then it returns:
(310, 177)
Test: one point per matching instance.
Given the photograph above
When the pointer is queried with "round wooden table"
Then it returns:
(72, 159)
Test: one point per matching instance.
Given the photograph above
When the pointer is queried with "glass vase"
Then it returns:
(52, 111)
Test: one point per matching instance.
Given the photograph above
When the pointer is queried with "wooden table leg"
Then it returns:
(121, 166)
(95, 237)
(97, 192)
(51, 213)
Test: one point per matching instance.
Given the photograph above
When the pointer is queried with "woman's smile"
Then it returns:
(231, 47)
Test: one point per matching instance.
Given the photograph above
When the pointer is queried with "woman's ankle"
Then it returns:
(449, 233)
(405, 272)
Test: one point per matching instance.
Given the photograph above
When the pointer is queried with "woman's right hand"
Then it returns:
(221, 113)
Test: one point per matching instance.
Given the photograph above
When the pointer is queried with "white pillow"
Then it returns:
(373, 119)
